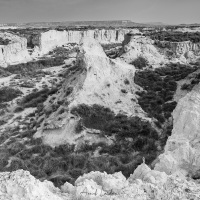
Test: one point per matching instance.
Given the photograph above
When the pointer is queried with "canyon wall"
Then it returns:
(51, 39)
(182, 151)
(15, 51)
(181, 48)
(136, 46)
(159, 52)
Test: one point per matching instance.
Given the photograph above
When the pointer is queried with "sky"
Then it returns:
(166, 11)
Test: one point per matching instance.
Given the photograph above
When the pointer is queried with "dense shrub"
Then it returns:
(3, 72)
(112, 50)
(101, 118)
(160, 86)
(193, 82)
(140, 62)
(176, 36)
(4, 41)
(8, 94)
(33, 68)
(36, 98)
(18, 109)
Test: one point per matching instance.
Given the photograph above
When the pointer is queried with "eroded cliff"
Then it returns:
(159, 52)
(13, 52)
(51, 39)
(182, 151)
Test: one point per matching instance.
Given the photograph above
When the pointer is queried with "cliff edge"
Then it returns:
(15, 51)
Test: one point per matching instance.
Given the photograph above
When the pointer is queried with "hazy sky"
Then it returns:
(168, 11)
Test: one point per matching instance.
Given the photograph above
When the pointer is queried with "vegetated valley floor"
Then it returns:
(21, 105)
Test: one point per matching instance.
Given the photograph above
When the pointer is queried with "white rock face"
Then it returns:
(191, 29)
(156, 53)
(100, 80)
(144, 173)
(105, 80)
(51, 39)
(182, 151)
(15, 52)
(20, 185)
(135, 46)
(115, 182)
(184, 51)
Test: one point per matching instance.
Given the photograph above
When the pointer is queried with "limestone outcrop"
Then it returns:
(184, 51)
(144, 184)
(191, 29)
(136, 46)
(51, 39)
(20, 185)
(96, 79)
(182, 151)
(15, 51)
(159, 52)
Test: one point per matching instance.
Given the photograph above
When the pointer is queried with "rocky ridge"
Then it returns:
(96, 79)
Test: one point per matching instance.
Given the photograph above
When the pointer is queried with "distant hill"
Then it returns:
(111, 23)
(156, 23)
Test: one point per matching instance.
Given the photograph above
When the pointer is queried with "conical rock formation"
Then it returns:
(96, 79)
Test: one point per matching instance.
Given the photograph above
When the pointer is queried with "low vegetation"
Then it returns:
(135, 139)
(4, 41)
(159, 87)
(35, 98)
(140, 63)
(111, 46)
(8, 94)
(3, 72)
(176, 36)
(112, 50)
(63, 52)
(32, 68)
(194, 81)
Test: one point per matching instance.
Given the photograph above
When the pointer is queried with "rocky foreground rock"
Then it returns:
(143, 184)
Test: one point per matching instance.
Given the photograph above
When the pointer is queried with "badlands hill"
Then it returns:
(83, 122)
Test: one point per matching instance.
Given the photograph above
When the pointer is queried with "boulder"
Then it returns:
(20, 185)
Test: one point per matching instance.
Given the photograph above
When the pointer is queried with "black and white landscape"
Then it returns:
(100, 109)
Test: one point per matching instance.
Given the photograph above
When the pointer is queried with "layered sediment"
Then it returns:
(51, 39)
(15, 51)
